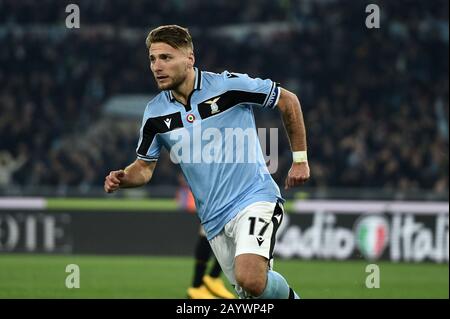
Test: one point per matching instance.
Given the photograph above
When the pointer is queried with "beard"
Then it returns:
(174, 82)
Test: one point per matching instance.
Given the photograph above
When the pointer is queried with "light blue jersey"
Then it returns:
(214, 139)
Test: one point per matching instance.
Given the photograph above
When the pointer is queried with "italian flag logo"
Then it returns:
(372, 234)
(190, 118)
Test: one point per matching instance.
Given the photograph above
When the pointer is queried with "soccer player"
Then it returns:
(206, 121)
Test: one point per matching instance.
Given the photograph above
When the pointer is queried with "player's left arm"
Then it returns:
(291, 113)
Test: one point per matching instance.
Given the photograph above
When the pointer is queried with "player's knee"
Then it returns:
(253, 284)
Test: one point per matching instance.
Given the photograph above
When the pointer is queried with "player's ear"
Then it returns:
(191, 59)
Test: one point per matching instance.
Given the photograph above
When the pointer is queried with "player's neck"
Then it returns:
(182, 92)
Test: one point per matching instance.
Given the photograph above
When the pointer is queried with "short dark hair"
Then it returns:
(174, 35)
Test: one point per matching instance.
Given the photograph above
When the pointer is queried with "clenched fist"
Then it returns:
(113, 180)
(298, 174)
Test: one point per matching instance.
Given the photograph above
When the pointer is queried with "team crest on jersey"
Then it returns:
(214, 106)
(190, 118)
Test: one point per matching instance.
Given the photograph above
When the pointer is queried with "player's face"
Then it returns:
(169, 65)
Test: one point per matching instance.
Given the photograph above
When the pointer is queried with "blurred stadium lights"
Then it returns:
(240, 32)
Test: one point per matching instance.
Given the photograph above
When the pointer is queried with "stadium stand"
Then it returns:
(375, 101)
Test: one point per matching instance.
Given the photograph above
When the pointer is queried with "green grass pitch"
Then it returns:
(44, 276)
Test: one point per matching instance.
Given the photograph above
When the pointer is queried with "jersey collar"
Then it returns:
(197, 84)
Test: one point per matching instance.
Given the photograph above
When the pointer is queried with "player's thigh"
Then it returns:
(224, 249)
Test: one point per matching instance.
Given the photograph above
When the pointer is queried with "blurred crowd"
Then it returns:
(141, 13)
(375, 101)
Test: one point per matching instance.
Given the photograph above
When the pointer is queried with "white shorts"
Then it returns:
(251, 231)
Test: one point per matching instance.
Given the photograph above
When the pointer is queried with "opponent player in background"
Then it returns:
(238, 202)
(204, 286)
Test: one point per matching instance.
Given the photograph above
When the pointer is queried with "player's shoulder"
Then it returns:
(225, 78)
(225, 75)
(157, 105)
(234, 76)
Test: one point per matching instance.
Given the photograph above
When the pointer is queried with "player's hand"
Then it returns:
(298, 174)
(113, 180)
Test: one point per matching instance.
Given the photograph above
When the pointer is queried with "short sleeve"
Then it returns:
(149, 147)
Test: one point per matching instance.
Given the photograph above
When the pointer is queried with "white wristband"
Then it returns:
(300, 157)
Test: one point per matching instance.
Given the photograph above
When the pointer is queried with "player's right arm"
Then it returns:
(134, 175)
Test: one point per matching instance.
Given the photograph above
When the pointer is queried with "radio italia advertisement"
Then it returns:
(340, 230)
